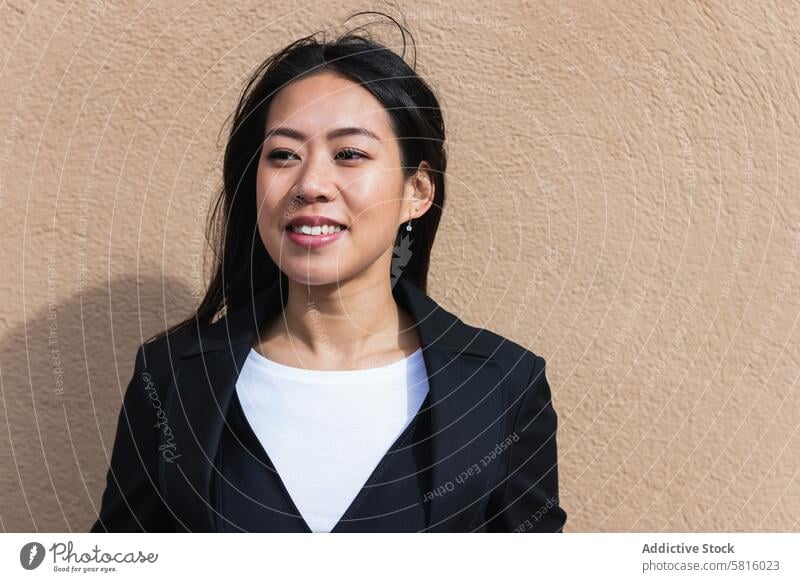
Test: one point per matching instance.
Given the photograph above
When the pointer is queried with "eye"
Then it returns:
(344, 153)
(279, 155)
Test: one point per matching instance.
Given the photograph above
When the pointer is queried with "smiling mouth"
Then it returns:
(316, 230)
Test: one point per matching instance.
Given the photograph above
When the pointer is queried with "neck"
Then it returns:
(345, 321)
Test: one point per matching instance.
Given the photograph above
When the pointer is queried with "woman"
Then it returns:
(318, 387)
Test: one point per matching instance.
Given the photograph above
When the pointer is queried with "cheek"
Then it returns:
(266, 221)
(376, 217)
(384, 198)
(262, 206)
(265, 198)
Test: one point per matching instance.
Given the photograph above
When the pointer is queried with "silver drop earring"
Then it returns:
(408, 226)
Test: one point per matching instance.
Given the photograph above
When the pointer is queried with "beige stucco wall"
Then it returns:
(622, 200)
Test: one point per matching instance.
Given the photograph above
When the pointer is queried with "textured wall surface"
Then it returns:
(622, 200)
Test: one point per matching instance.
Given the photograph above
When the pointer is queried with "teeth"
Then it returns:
(316, 230)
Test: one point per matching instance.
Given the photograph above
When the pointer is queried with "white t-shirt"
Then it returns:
(326, 430)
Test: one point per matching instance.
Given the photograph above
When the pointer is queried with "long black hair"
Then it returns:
(241, 265)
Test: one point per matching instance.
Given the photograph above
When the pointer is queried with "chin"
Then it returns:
(305, 274)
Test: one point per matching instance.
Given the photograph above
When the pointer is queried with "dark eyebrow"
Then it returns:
(334, 133)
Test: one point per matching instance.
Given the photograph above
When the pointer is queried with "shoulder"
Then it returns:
(158, 358)
(437, 324)
(521, 368)
(509, 354)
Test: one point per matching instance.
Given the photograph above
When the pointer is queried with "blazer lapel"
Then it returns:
(466, 414)
(465, 409)
(199, 396)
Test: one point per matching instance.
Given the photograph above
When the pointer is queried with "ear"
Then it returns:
(419, 192)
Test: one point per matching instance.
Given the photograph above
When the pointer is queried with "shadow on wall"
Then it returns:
(63, 374)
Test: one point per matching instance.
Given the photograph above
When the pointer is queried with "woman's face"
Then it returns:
(330, 151)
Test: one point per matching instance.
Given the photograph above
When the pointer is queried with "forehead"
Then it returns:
(324, 100)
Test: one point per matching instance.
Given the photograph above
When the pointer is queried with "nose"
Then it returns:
(313, 183)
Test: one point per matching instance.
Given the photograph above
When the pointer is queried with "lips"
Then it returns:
(313, 220)
(316, 236)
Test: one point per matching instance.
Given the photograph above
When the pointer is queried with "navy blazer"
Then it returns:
(479, 456)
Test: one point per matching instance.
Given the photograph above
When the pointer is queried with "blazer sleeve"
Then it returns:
(528, 499)
(132, 501)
